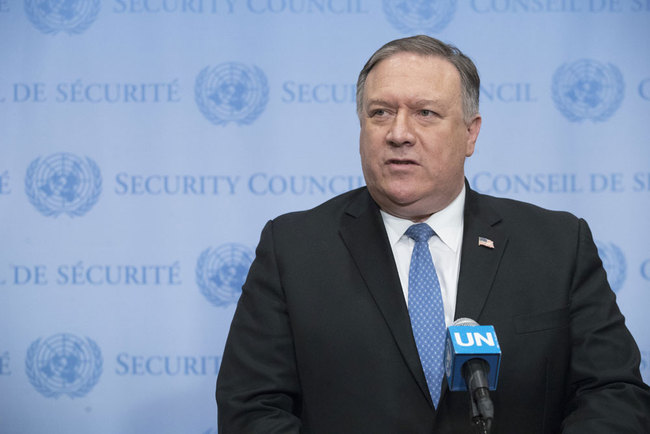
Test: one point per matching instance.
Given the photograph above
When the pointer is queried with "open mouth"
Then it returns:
(401, 162)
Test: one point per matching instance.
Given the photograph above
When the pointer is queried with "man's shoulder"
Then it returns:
(508, 205)
(328, 212)
(525, 216)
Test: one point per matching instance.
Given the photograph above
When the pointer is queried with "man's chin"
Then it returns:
(404, 206)
(411, 207)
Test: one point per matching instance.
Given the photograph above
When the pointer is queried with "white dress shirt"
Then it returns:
(445, 249)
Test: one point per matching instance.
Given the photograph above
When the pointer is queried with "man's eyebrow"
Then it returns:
(377, 102)
(418, 103)
(425, 102)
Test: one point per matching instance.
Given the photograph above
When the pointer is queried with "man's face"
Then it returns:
(414, 140)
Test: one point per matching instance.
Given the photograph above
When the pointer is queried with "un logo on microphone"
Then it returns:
(614, 264)
(63, 364)
(70, 16)
(63, 183)
(221, 272)
(587, 89)
(423, 16)
(231, 92)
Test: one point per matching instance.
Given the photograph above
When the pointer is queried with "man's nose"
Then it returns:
(401, 131)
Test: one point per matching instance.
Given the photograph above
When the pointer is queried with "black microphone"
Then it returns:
(472, 363)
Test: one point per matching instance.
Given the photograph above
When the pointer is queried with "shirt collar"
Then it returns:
(447, 223)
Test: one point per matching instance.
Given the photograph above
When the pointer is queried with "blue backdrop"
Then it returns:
(144, 143)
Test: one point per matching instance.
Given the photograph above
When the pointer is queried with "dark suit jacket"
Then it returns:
(321, 341)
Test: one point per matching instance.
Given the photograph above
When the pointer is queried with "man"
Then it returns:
(326, 337)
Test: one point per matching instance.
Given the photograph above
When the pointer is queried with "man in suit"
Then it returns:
(326, 337)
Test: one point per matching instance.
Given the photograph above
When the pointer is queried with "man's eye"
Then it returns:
(426, 112)
(377, 112)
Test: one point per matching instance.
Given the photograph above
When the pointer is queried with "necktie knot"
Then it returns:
(420, 232)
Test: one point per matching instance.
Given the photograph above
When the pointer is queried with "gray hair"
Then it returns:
(428, 46)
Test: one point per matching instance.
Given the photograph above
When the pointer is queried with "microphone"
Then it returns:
(472, 359)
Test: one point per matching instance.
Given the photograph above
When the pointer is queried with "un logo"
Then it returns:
(419, 16)
(70, 16)
(63, 183)
(221, 272)
(231, 92)
(587, 89)
(63, 364)
(614, 264)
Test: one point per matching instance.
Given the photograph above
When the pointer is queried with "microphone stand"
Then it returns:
(482, 422)
(481, 407)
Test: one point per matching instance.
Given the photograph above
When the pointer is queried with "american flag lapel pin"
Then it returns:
(485, 242)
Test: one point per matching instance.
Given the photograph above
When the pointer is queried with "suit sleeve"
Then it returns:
(606, 393)
(258, 389)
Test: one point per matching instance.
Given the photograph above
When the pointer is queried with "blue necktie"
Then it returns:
(426, 309)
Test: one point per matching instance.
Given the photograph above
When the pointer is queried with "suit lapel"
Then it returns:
(479, 263)
(364, 234)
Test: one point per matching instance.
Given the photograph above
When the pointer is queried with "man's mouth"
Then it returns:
(401, 162)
